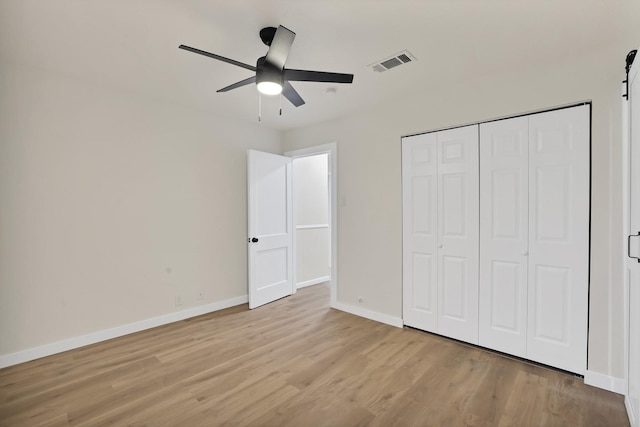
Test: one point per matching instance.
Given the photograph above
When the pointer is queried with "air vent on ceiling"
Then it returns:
(396, 60)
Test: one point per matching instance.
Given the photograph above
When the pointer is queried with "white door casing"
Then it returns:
(458, 233)
(559, 238)
(504, 222)
(632, 243)
(270, 223)
(420, 236)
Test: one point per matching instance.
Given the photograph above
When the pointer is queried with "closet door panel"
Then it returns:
(419, 186)
(503, 235)
(454, 297)
(458, 233)
(559, 238)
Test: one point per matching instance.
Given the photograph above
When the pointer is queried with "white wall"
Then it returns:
(111, 204)
(369, 192)
(311, 198)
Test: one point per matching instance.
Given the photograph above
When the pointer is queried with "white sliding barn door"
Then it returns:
(458, 213)
(632, 241)
(559, 238)
(504, 222)
(420, 232)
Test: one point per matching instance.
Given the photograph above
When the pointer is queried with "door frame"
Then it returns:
(332, 150)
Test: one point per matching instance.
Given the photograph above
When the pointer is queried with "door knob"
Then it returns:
(525, 253)
(440, 245)
(254, 240)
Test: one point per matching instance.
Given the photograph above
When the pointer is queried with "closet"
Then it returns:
(505, 250)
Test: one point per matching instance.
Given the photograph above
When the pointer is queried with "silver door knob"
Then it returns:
(440, 245)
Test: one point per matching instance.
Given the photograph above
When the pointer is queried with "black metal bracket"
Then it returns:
(630, 57)
(629, 246)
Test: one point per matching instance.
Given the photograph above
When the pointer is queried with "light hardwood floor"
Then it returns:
(294, 362)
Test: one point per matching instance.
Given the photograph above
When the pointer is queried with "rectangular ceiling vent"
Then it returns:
(396, 60)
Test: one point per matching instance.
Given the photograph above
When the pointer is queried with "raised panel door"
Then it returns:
(458, 233)
(270, 225)
(504, 235)
(419, 240)
(558, 282)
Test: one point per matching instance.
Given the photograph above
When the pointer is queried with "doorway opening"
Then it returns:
(315, 217)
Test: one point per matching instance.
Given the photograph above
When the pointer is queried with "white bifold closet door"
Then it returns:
(504, 234)
(440, 232)
(534, 237)
(558, 297)
(420, 231)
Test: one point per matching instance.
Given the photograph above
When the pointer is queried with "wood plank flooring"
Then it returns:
(294, 362)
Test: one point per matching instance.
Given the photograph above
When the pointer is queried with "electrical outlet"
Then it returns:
(200, 294)
(178, 300)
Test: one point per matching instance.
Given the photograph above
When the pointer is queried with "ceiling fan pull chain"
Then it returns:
(259, 107)
(280, 103)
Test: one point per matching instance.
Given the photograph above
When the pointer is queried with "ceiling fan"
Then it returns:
(271, 77)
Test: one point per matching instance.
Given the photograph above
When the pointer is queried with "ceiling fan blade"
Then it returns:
(290, 93)
(280, 47)
(317, 76)
(238, 84)
(218, 57)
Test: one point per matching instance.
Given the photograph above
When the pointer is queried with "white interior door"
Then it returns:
(558, 283)
(458, 231)
(419, 229)
(504, 222)
(270, 223)
(632, 265)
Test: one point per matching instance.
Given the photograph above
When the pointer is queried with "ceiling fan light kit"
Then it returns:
(269, 88)
(271, 78)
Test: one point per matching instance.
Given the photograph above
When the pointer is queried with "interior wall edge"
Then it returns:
(605, 382)
(369, 314)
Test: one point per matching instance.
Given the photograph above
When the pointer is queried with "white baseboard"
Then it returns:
(368, 314)
(606, 382)
(313, 282)
(95, 337)
(627, 405)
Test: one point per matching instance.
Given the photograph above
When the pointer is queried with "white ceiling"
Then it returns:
(132, 45)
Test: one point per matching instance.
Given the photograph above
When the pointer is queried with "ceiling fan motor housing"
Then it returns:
(266, 72)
